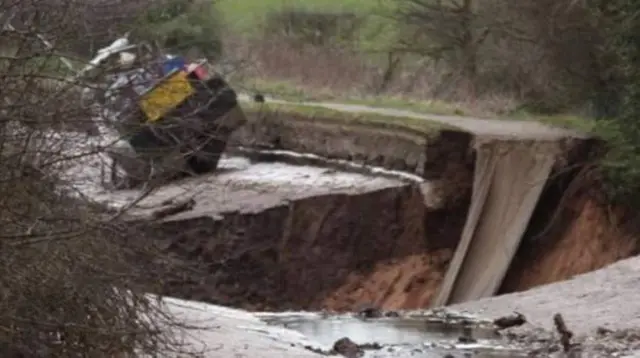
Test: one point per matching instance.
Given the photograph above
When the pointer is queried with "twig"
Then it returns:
(174, 208)
(565, 333)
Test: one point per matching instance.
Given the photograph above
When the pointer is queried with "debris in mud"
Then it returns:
(350, 349)
(603, 331)
(467, 335)
(370, 312)
(173, 208)
(347, 348)
(565, 333)
(510, 321)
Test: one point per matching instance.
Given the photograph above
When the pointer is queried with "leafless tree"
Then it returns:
(67, 279)
(546, 52)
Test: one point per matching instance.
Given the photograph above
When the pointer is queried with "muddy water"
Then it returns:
(400, 336)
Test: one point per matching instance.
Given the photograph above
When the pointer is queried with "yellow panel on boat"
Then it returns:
(166, 95)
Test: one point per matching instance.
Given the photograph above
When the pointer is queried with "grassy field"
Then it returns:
(247, 16)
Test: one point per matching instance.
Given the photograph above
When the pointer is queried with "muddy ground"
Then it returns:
(598, 307)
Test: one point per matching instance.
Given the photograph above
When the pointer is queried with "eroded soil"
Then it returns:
(401, 283)
(302, 255)
(587, 238)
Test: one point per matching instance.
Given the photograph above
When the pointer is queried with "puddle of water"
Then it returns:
(400, 337)
(383, 331)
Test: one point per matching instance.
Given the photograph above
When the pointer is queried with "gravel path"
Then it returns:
(498, 128)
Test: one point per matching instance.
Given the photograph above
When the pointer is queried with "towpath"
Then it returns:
(499, 128)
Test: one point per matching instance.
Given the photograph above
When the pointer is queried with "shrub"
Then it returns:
(69, 288)
(183, 26)
(622, 163)
(315, 27)
(546, 53)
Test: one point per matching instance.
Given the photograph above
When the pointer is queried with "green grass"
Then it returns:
(326, 115)
(247, 16)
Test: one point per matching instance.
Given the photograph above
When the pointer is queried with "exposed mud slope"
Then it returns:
(297, 256)
(573, 230)
(585, 236)
(409, 282)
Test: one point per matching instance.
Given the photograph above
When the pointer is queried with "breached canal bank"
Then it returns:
(467, 172)
(388, 237)
(388, 245)
(369, 229)
(447, 157)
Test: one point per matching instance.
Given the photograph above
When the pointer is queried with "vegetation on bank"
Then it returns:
(330, 116)
(75, 278)
(621, 164)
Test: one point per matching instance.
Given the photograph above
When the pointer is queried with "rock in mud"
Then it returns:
(370, 312)
(518, 319)
(347, 348)
(392, 314)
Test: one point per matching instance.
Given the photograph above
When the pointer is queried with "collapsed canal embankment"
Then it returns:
(390, 246)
